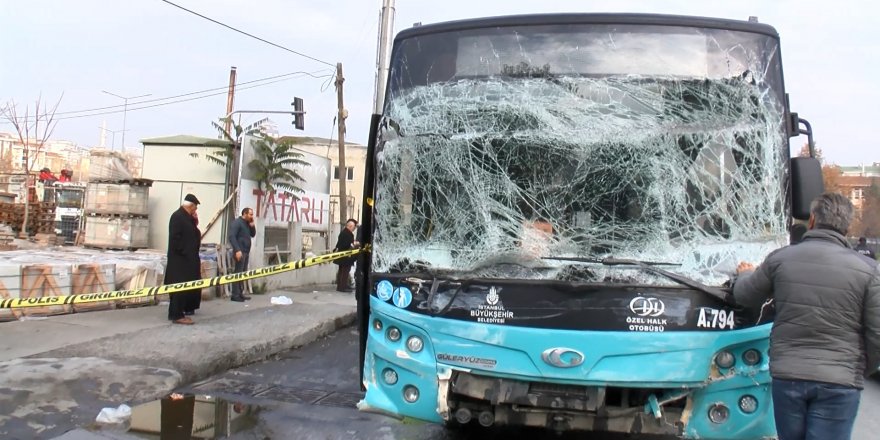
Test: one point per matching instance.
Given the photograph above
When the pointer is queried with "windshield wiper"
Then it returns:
(651, 267)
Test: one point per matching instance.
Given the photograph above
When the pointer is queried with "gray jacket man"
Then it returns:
(240, 234)
(826, 332)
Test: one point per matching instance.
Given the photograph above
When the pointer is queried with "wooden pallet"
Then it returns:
(42, 280)
(10, 288)
(111, 248)
(132, 182)
(107, 213)
(93, 278)
(226, 266)
(142, 278)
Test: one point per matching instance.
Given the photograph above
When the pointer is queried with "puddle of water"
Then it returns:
(186, 416)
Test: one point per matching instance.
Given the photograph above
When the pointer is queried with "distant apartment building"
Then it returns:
(855, 181)
(55, 155)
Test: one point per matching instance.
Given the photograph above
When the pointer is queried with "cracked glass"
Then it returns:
(501, 147)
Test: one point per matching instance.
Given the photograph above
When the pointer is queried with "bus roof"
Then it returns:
(551, 19)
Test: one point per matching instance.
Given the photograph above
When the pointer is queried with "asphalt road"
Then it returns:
(310, 393)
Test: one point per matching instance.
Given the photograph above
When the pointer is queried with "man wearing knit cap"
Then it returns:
(184, 240)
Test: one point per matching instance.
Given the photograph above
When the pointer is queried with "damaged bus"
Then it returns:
(555, 205)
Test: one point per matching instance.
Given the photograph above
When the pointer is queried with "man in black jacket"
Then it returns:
(184, 240)
(826, 332)
(345, 242)
(863, 248)
(240, 235)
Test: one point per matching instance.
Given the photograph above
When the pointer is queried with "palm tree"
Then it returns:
(274, 166)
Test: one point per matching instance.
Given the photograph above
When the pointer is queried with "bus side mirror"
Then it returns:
(806, 185)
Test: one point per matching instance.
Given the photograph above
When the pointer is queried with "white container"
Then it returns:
(117, 198)
(111, 232)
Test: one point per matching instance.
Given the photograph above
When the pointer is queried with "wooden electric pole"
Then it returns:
(231, 161)
(230, 99)
(343, 171)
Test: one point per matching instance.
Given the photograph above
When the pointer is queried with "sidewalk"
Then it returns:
(60, 371)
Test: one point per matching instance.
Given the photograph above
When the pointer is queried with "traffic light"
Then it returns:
(299, 119)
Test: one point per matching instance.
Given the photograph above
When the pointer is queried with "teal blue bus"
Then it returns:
(555, 207)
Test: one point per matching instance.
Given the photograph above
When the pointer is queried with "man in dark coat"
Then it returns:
(863, 248)
(345, 242)
(826, 332)
(240, 235)
(184, 264)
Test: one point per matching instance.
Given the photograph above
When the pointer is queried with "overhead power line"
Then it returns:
(249, 34)
(119, 106)
(75, 114)
(133, 107)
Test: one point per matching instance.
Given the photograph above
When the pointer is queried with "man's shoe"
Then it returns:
(246, 297)
(237, 299)
(183, 321)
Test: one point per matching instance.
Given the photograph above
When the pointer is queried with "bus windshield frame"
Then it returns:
(503, 147)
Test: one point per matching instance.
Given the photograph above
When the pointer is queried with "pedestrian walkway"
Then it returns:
(38, 335)
(60, 371)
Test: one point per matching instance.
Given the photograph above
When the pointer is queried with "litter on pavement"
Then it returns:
(281, 300)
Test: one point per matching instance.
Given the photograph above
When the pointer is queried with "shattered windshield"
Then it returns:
(501, 147)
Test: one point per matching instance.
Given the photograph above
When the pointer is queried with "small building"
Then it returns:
(179, 165)
(856, 180)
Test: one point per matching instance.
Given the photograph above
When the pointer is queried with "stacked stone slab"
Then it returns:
(116, 207)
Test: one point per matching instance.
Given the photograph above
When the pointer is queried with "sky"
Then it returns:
(74, 50)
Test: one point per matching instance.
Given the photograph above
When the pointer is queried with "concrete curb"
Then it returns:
(269, 348)
(217, 344)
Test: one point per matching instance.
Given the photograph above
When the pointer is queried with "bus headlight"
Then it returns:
(751, 357)
(377, 325)
(719, 413)
(748, 404)
(390, 376)
(725, 359)
(410, 393)
(393, 334)
(415, 344)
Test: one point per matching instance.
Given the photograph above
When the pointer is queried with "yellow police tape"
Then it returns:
(16, 303)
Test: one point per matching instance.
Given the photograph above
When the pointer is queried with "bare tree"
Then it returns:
(33, 131)
(831, 173)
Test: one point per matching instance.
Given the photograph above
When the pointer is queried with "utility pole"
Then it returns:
(231, 162)
(343, 171)
(386, 28)
(125, 111)
(230, 99)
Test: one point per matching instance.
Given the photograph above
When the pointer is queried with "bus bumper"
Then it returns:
(402, 382)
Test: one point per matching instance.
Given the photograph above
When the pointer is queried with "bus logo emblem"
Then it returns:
(563, 357)
(492, 297)
(644, 307)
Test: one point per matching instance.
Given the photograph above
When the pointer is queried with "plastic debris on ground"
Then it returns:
(281, 300)
(114, 416)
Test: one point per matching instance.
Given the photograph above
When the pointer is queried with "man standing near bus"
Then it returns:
(826, 333)
(863, 248)
(345, 242)
(240, 235)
